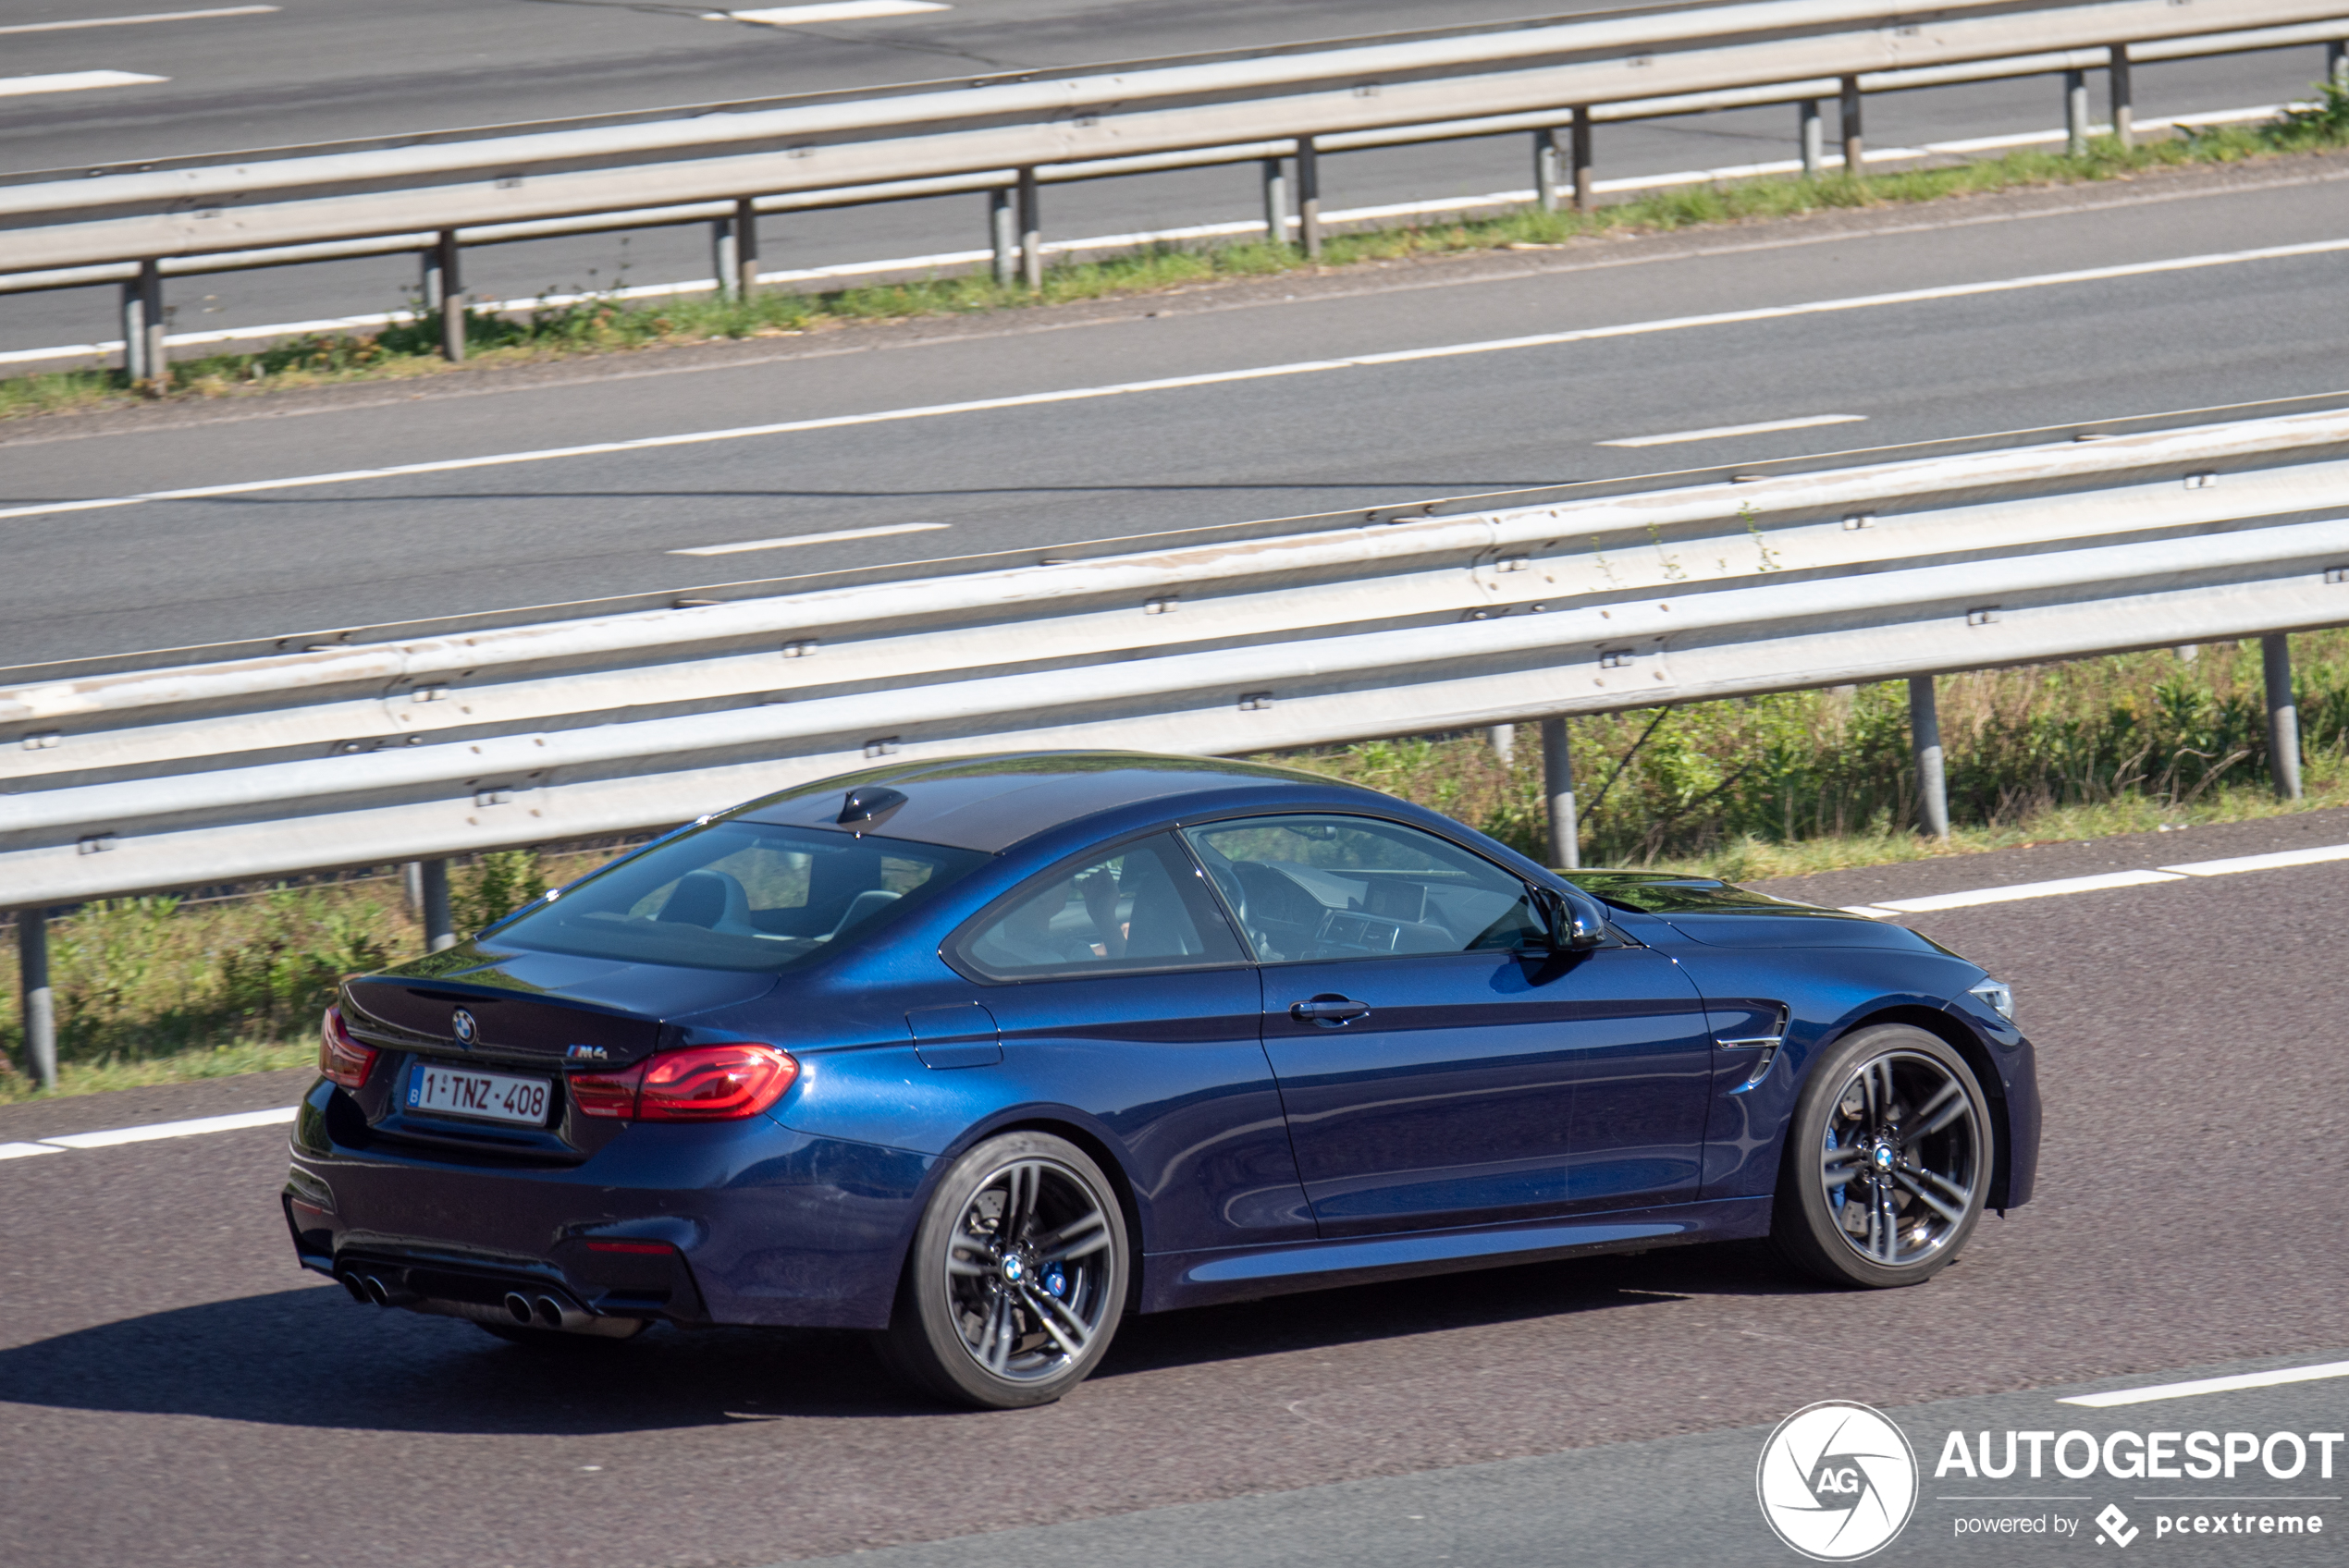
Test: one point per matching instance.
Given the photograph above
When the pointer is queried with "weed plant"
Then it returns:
(601, 324)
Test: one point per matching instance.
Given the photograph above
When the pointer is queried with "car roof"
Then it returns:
(992, 803)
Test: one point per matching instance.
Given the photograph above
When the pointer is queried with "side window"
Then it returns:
(1354, 887)
(1144, 906)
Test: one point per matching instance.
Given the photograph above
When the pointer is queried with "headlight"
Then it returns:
(1999, 997)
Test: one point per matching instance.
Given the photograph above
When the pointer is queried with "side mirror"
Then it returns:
(1573, 927)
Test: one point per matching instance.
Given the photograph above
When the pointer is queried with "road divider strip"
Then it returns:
(2104, 881)
(942, 261)
(1755, 314)
(2211, 1386)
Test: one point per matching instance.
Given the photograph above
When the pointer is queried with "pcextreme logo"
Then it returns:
(1837, 1481)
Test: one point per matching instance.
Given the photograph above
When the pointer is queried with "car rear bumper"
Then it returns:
(737, 1222)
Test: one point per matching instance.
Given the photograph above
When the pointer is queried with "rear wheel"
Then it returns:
(1018, 1276)
(1888, 1161)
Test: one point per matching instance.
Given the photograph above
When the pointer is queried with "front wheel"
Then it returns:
(1018, 1276)
(1888, 1161)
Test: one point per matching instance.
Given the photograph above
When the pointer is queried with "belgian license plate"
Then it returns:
(492, 1096)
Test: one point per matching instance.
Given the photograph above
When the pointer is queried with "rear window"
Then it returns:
(741, 895)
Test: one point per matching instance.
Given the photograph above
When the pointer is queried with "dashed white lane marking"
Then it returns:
(136, 21)
(152, 1131)
(2186, 871)
(1210, 378)
(947, 259)
(2211, 1386)
(1722, 432)
(832, 537)
(18, 1151)
(71, 82)
(833, 11)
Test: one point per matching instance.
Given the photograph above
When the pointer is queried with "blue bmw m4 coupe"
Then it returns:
(981, 1054)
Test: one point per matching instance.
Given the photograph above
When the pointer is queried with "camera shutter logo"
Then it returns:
(1837, 1481)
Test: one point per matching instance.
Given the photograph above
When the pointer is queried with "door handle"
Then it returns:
(1328, 1011)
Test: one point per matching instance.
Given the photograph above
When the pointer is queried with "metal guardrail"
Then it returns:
(412, 750)
(1009, 137)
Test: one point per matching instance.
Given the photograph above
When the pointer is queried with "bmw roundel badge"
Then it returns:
(462, 1024)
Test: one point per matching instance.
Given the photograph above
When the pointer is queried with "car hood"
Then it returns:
(1721, 914)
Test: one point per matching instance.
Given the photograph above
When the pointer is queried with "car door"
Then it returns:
(1114, 979)
(1433, 1072)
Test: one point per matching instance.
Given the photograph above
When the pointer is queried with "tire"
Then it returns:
(1018, 1276)
(1887, 1161)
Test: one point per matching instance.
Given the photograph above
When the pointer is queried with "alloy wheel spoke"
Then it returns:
(1949, 1189)
(1888, 1221)
(1000, 1338)
(1838, 1165)
(1059, 1322)
(1940, 1112)
(1019, 1200)
(1930, 1201)
(1081, 1237)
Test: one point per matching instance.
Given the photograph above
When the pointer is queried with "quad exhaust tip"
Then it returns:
(518, 1308)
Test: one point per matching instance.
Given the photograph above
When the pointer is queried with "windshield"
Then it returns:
(740, 895)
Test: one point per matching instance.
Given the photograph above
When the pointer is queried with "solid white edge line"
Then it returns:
(18, 1151)
(134, 21)
(1722, 432)
(72, 81)
(2211, 1386)
(2055, 889)
(1756, 314)
(2276, 861)
(833, 537)
(1109, 241)
(152, 1131)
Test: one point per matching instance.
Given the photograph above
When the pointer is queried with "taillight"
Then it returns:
(606, 1094)
(340, 1058)
(714, 1083)
(700, 1084)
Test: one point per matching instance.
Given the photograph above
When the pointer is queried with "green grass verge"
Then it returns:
(603, 325)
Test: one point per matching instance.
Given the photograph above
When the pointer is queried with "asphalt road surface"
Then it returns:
(1029, 430)
(319, 70)
(175, 1392)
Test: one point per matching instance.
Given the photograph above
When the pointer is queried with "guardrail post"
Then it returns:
(2075, 113)
(1308, 196)
(1275, 201)
(40, 1001)
(2337, 64)
(432, 887)
(1855, 152)
(446, 260)
(1925, 741)
(733, 251)
(134, 329)
(1545, 168)
(1502, 738)
(2123, 97)
(1586, 192)
(2284, 715)
(1813, 137)
(1031, 232)
(1557, 783)
(1002, 234)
